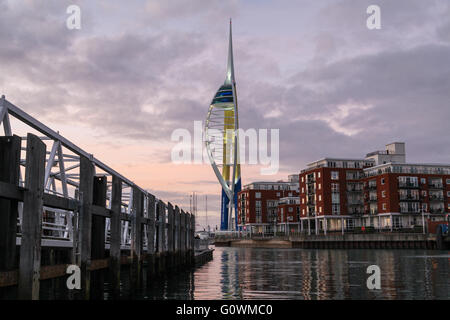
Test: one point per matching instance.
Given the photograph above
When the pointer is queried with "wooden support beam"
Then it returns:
(9, 173)
(98, 235)
(115, 235)
(183, 237)
(85, 226)
(177, 236)
(170, 236)
(9, 191)
(30, 248)
(151, 236)
(136, 237)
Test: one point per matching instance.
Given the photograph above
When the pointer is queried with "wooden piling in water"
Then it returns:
(136, 238)
(115, 236)
(86, 195)
(170, 237)
(30, 248)
(151, 236)
(9, 174)
(98, 236)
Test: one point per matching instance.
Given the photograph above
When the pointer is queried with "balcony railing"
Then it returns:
(408, 185)
(435, 186)
(409, 198)
(436, 198)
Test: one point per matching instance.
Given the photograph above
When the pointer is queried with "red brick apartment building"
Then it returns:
(258, 202)
(381, 191)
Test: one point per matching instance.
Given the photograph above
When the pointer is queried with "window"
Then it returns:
(335, 187)
(320, 209)
(257, 195)
(303, 211)
(303, 190)
(448, 194)
(258, 204)
(320, 186)
(318, 174)
(382, 180)
(303, 179)
(278, 194)
(335, 209)
(424, 193)
(424, 207)
(384, 206)
(448, 207)
(335, 198)
(290, 209)
(334, 175)
(320, 197)
(303, 200)
(383, 194)
(447, 181)
(423, 180)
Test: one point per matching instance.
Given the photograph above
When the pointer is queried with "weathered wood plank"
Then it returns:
(30, 248)
(115, 235)
(136, 237)
(9, 173)
(151, 236)
(86, 194)
(100, 211)
(54, 201)
(11, 191)
(98, 234)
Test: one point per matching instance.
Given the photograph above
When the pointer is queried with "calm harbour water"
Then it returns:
(252, 273)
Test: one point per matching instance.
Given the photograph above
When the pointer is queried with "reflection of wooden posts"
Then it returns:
(177, 237)
(170, 236)
(136, 237)
(98, 236)
(151, 236)
(115, 236)
(30, 248)
(9, 173)
(86, 193)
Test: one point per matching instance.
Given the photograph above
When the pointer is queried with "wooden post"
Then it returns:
(170, 236)
(188, 239)
(33, 200)
(177, 237)
(136, 237)
(9, 173)
(183, 238)
(98, 236)
(85, 226)
(115, 236)
(162, 231)
(192, 236)
(151, 236)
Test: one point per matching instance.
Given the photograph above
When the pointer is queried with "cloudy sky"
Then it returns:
(138, 70)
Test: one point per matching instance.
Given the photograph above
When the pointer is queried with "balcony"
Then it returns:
(437, 211)
(373, 199)
(435, 186)
(408, 185)
(372, 187)
(436, 198)
(409, 197)
(409, 210)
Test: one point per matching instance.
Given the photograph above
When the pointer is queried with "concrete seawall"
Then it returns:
(339, 241)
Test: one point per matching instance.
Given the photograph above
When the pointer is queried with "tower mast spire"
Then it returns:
(230, 66)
